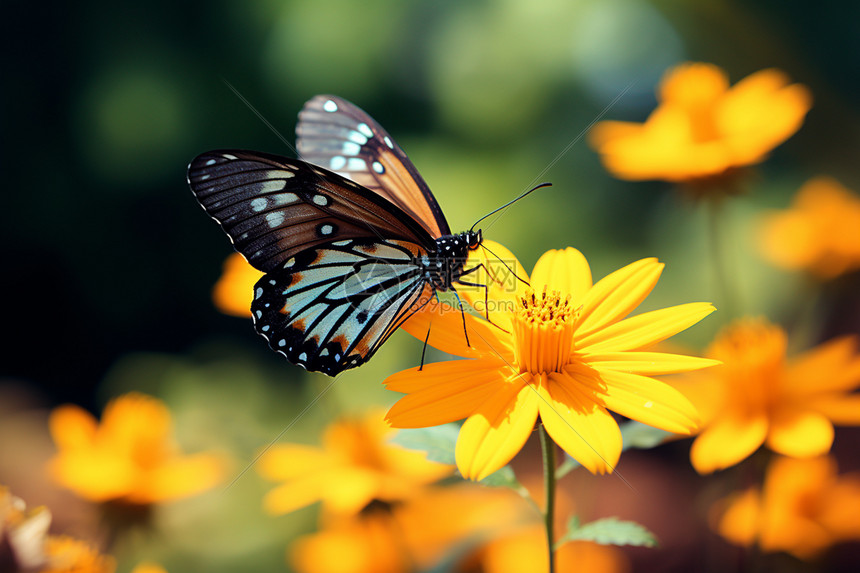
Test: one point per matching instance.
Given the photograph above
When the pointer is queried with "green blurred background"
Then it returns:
(108, 262)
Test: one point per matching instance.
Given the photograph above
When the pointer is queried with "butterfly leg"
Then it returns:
(463, 315)
(424, 349)
(486, 292)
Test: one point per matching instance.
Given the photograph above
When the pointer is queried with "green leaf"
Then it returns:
(608, 531)
(502, 478)
(642, 436)
(634, 435)
(437, 441)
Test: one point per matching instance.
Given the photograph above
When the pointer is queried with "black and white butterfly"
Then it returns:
(351, 239)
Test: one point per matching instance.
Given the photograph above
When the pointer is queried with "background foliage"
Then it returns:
(109, 262)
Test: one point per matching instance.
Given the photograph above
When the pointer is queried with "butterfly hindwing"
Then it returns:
(337, 135)
(273, 208)
(331, 307)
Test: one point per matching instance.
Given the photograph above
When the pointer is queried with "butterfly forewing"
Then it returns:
(337, 135)
(331, 307)
(273, 208)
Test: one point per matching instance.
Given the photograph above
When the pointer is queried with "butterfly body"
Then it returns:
(348, 255)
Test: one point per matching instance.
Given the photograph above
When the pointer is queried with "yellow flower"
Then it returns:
(820, 232)
(759, 396)
(26, 533)
(354, 466)
(233, 293)
(148, 567)
(803, 508)
(437, 526)
(128, 457)
(68, 555)
(526, 551)
(703, 128)
(561, 350)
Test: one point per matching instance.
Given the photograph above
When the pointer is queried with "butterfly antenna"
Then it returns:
(509, 203)
(522, 280)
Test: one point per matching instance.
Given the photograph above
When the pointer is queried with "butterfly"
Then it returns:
(350, 237)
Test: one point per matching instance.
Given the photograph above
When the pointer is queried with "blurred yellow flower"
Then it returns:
(129, 457)
(439, 526)
(819, 233)
(354, 466)
(560, 350)
(68, 555)
(34, 550)
(147, 567)
(703, 128)
(759, 396)
(233, 293)
(803, 508)
(526, 551)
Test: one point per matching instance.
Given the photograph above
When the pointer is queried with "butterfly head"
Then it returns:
(473, 239)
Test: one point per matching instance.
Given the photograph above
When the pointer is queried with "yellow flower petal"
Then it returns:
(298, 493)
(444, 392)
(499, 428)
(800, 433)
(647, 363)
(505, 278)
(445, 324)
(836, 358)
(290, 461)
(645, 329)
(180, 477)
(617, 294)
(647, 400)
(740, 523)
(693, 85)
(840, 409)
(95, 475)
(566, 271)
(727, 441)
(583, 428)
(234, 291)
(72, 426)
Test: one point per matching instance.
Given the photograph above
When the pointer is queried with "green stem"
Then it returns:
(718, 261)
(548, 450)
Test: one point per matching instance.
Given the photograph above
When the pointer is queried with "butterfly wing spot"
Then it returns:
(378, 167)
(341, 243)
(350, 148)
(357, 137)
(275, 219)
(230, 157)
(210, 162)
(337, 162)
(259, 204)
(365, 130)
(330, 106)
(290, 262)
(361, 317)
(321, 200)
(326, 229)
(356, 164)
(388, 142)
(258, 292)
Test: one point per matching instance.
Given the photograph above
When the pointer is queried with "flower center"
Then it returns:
(543, 331)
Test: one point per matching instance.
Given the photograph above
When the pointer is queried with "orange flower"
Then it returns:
(355, 466)
(561, 350)
(702, 127)
(35, 550)
(526, 551)
(68, 555)
(803, 508)
(233, 293)
(129, 457)
(820, 232)
(437, 527)
(758, 396)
